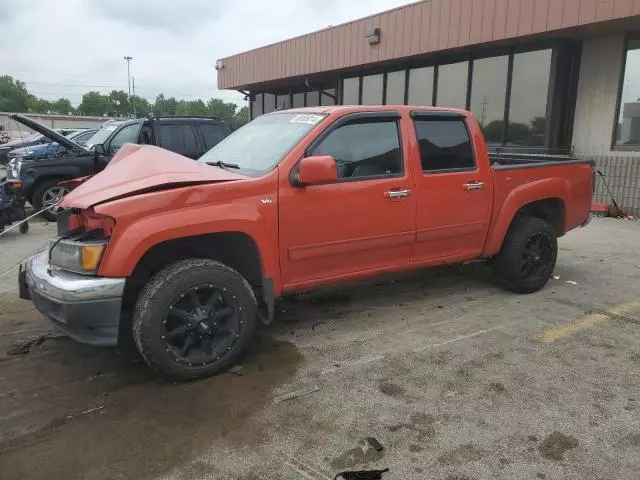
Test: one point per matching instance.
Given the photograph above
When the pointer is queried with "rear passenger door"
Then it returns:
(454, 193)
(178, 137)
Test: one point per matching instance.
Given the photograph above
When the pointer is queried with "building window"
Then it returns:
(313, 99)
(283, 101)
(328, 96)
(298, 100)
(269, 102)
(372, 89)
(421, 86)
(488, 94)
(351, 91)
(529, 96)
(452, 85)
(628, 125)
(256, 105)
(395, 88)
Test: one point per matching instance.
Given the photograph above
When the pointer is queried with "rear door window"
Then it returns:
(213, 134)
(190, 142)
(171, 137)
(128, 134)
(445, 144)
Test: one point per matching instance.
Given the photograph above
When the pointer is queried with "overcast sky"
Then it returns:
(64, 48)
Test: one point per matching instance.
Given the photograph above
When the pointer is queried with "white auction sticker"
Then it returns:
(306, 118)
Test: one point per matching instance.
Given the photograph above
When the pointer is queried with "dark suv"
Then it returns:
(188, 136)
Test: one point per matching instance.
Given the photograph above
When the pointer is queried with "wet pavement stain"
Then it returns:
(555, 445)
(363, 454)
(422, 424)
(158, 425)
(391, 389)
(462, 454)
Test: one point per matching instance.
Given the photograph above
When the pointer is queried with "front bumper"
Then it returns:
(87, 309)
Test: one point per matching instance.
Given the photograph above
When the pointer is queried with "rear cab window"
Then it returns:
(444, 142)
(213, 133)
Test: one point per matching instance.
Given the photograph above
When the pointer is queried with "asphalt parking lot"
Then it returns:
(455, 377)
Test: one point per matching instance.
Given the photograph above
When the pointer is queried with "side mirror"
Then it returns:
(99, 149)
(318, 170)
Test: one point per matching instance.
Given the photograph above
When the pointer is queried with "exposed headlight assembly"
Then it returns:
(77, 256)
(13, 172)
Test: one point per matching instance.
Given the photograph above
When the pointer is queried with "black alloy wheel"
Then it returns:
(537, 257)
(201, 325)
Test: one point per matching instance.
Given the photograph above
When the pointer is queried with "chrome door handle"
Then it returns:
(397, 193)
(473, 186)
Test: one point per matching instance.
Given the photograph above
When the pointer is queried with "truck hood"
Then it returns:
(137, 169)
(47, 132)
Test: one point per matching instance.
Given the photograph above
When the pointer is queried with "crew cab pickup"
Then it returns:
(188, 256)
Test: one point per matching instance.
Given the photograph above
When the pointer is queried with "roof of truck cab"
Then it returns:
(367, 108)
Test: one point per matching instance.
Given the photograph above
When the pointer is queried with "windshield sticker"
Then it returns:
(309, 119)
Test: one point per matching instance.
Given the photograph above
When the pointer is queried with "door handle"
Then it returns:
(471, 186)
(397, 193)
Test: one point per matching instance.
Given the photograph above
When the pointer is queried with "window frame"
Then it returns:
(417, 115)
(386, 115)
(623, 70)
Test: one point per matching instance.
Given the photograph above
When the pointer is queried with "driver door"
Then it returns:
(365, 222)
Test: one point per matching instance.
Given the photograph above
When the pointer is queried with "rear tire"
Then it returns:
(528, 256)
(194, 318)
(43, 195)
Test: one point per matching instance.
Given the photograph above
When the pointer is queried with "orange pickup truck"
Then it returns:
(188, 256)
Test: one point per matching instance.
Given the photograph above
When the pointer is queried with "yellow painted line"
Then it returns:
(553, 334)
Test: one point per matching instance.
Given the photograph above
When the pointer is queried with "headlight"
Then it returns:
(13, 172)
(78, 257)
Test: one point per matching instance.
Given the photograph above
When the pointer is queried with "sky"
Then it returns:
(64, 48)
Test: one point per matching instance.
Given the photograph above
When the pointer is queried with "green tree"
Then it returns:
(14, 96)
(159, 106)
(118, 103)
(62, 106)
(191, 107)
(143, 107)
(220, 109)
(241, 117)
(93, 103)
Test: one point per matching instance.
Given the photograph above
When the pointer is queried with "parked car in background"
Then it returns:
(189, 136)
(52, 148)
(29, 140)
(183, 255)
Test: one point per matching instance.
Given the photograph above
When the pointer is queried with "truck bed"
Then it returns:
(505, 161)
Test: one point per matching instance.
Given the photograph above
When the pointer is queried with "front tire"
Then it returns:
(47, 195)
(194, 318)
(528, 256)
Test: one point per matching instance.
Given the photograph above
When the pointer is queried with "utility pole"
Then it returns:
(128, 60)
(133, 87)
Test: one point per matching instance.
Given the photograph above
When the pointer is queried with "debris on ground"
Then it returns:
(22, 347)
(378, 447)
(238, 370)
(296, 393)
(362, 475)
(571, 282)
(556, 277)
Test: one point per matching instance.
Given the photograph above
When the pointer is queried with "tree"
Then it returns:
(14, 96)
(118, 103)
(143, 107)
(159, 106)
(223, 111)
(242, 116)
(62, 106)
(191, 107)
(93, 103)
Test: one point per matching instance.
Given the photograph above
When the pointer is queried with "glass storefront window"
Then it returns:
(395, 88)
(628, 125)
(313, 99)
(452, 85)
(529, 95)
(326, 99)
(283, 101)
(488, 93)
(351, 91)
(372, 89)
(269, 102)
(256, 105)
(421, 86)
(298, 100)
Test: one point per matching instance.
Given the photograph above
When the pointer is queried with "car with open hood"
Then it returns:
(42, 177)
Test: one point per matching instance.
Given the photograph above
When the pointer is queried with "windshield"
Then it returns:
(262, 143)
(102, 134)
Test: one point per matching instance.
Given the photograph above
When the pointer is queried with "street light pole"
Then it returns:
(133, 87)
(128, 59)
